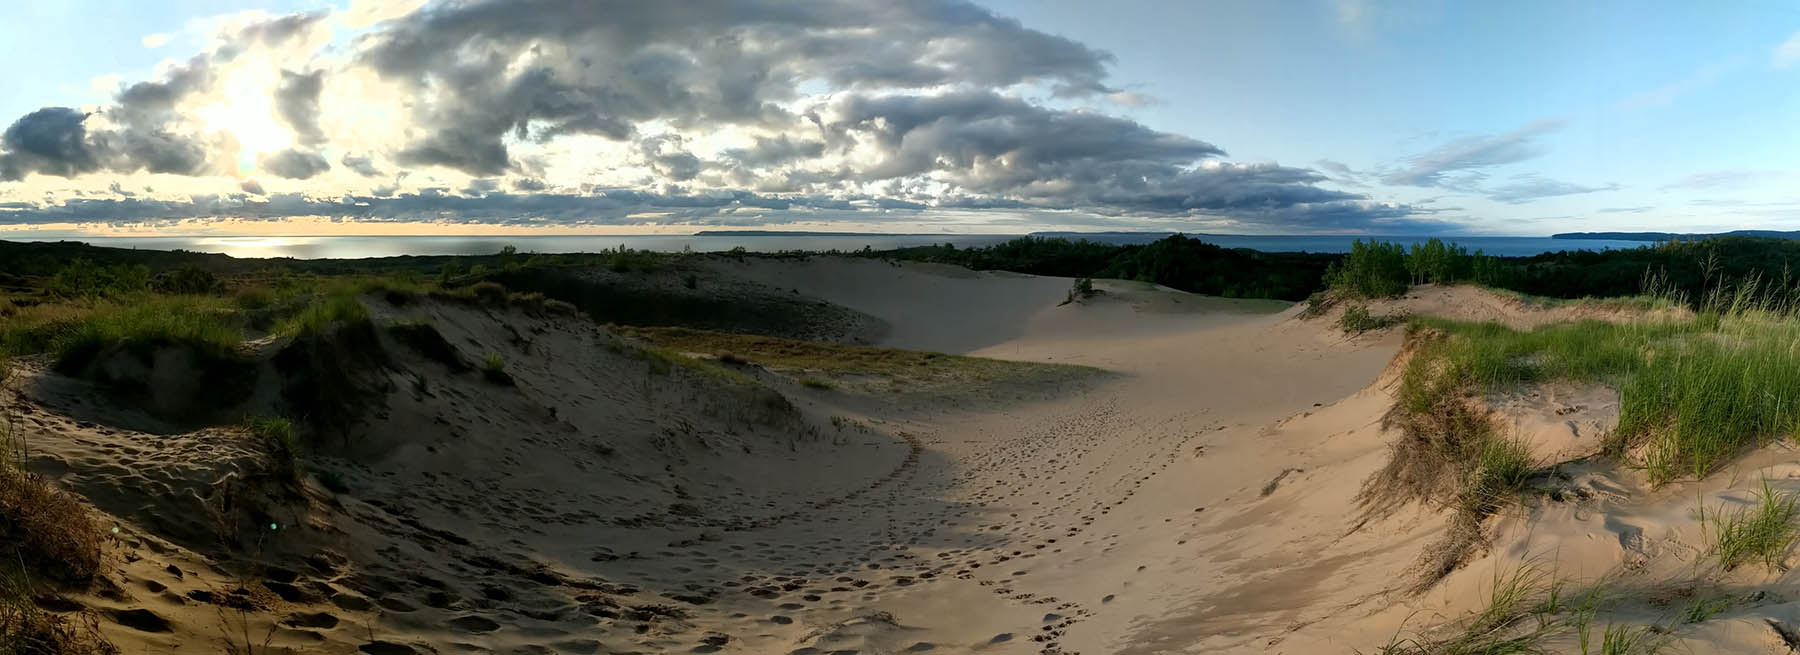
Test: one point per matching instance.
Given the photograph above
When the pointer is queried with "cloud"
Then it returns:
(1786, 54)
(1531, 187)
(294, 164)
(1725, 179)
(363, 166)
(297, 102)
(157, 40)
(1668, 93)
(769, 108)
(1472, 154)
(1625, 210)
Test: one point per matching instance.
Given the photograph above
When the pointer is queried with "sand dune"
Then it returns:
(1201, 497)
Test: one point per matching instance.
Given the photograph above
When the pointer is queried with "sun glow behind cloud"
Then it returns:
(246, 112)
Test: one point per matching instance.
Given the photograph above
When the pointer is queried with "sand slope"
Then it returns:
(1201, 499)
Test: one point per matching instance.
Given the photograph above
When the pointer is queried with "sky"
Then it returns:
(300, 117)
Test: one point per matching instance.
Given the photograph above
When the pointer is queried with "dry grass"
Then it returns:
(55, 534)
(842, 365)
(1450, 452)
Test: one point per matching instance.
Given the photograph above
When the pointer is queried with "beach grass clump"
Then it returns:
(1693, 393)
(1762, 531)
(1528, 609)
(322, 312)
(201, 323)
(276, 437)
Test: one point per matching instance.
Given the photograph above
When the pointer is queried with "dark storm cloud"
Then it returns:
(294, 164)
(550, 67)
(1471, 154)
(297, 102)
(52, 141)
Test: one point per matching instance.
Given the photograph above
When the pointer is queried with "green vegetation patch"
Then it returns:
(1693, 394)
(76, 335)
(900, 369)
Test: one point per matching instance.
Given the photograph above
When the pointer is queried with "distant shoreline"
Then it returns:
(1674, 236)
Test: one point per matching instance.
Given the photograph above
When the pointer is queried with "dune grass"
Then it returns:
(837, 364)
(1763, 531)
(203, 323)
(276, 437)
(322, 312)
(1530, 609)
(1693, 393)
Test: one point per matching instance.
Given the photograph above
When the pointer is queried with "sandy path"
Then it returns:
(1082, 524)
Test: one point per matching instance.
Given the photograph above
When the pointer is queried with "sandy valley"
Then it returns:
(1144, 471)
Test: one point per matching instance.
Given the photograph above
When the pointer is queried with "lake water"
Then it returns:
(352, 247)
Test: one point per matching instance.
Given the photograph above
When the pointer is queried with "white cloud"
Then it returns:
(1788, 53)
(158, 40)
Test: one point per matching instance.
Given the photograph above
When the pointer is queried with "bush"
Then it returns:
(82, 278)
(492, 294)
(187, 280)
(1373, 269)
(493, 368)
(1357, 319)
(815, 383)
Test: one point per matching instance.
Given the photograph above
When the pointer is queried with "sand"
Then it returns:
(1200, 499)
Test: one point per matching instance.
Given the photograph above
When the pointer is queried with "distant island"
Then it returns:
(1674, 236)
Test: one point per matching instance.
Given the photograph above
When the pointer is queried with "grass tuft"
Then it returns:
(1762, 531)
(276, 437)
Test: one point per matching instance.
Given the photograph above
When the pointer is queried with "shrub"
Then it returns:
(815, 383)
(492, 294)
(187, 280)
(493, 368)
(1357, 319)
